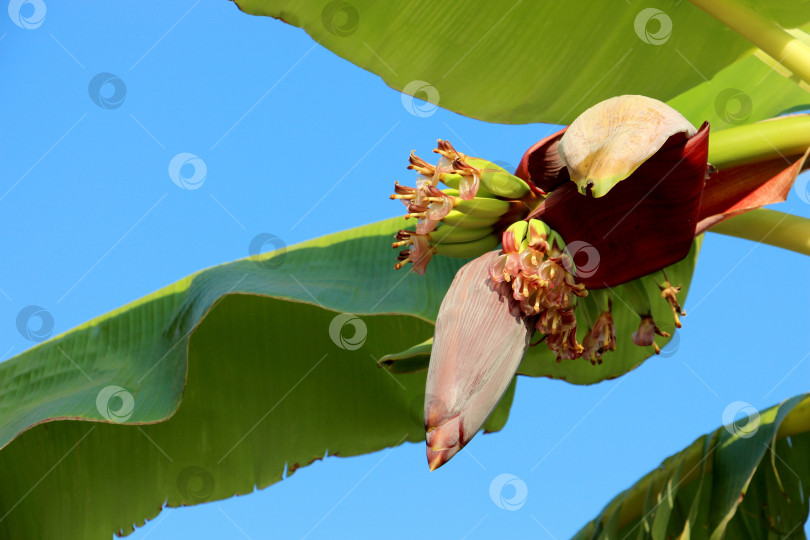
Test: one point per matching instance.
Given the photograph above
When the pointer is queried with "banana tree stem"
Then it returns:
(768, 36)
(772, 139)
(769, 227)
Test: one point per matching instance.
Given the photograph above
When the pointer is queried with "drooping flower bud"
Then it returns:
(480, 338)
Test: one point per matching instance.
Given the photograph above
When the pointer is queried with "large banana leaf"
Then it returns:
(269, 379)
(223, 381)
(521, 62)
(747, 479)
(753, 88)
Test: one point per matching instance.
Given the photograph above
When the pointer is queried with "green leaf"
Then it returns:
(271, 382)
(741, 481)
(751, 89)
(214, 385)
(411, 360)
(522, 62)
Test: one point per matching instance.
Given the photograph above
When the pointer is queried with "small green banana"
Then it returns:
(636, 294)
(482, 207)
(453, 187)
(519, 229)
(465, 221)
(453, 235)
(602, 299)
(468, 250)
(514, 237)
(588, 310)
(498, 180)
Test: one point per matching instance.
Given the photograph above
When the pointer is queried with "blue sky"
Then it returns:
(93, 220)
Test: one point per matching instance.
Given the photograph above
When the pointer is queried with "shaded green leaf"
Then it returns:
(741, 481)
(218, 384)
(751, 89)
(411, 360)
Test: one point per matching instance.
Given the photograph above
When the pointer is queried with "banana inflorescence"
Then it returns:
(541, 273)
(481, 206)
(543, 276)
(467, 217)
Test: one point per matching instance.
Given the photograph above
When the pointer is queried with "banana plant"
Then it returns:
(628, 185)
(514, 272)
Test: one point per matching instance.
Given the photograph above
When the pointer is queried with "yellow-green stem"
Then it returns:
(772, 139)
(769, 227)
(768, 36)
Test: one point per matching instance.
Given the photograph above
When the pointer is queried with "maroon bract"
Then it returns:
(644, 223)
(736, 190)
(542, 167)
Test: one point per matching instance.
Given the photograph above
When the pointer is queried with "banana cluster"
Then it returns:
(467, 217)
